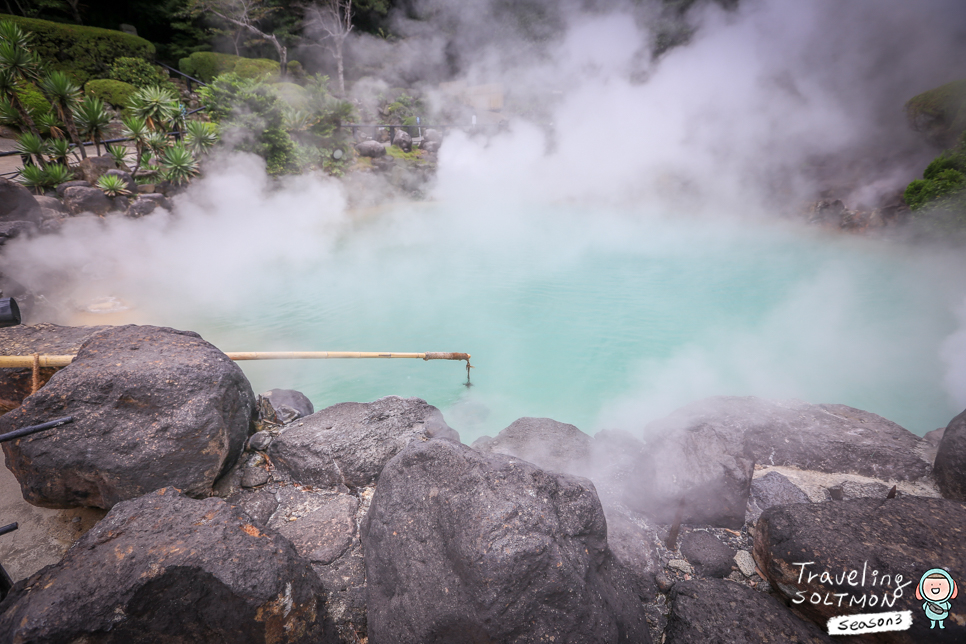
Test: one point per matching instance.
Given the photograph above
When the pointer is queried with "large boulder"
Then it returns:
(372, 149)
(770, 490)
(24, 340)
(13, 229)
(543, 441)
(950, 467)
(93, 168)
(347, 445)
(709, 556)
(51, 203)
(79, 200)
(166, 568)
(864, 556)
(469, 547)
(403, 140)
(152, 407)
(715, 610)
(17, 204)
(700, 459)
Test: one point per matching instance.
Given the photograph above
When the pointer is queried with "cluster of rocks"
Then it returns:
(22, 212)
(833, 213)
(243, 518)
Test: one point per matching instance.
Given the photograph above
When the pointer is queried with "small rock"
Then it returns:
(260, 441)
(746, 563)
(681, 566)
(51, 203)
(707, 554)
(289, 404)
(79, 200)
(255, 476)
(62, 188)
(402, 140)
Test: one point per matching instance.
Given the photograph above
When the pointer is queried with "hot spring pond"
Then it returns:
(598, 318)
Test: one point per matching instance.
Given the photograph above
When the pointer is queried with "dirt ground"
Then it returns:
(11, 163)
(43, 536)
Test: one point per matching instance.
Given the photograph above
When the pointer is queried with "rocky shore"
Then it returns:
(215, 515)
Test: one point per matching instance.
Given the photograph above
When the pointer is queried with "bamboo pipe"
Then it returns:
(46, 360)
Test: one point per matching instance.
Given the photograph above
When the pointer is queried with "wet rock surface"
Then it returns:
(166, 568)
(346, 446)
(864, 556)
(152, 407)
(552, 445)
(463, 546)
(950, 467)
(707, 554)
(713, 610)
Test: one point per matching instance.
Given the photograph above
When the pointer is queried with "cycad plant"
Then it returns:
(178, 164)
(49, 125)
(92, 120)
(58, 149)
(58, 174)
(34, 177)
(156, 105)
(34, 146)
(17, 66)
(200, 136)
(113, 185)
(136, 128)
(64, 96)
(118, 154)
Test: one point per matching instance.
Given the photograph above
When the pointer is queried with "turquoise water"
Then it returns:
(597, 318)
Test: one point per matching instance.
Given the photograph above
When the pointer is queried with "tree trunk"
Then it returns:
(75, 11)
(25, 117)
(68, 119)
(338, 63)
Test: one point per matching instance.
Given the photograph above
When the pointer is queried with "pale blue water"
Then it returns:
(601, 319)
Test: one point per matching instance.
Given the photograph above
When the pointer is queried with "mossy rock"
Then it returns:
(81, 52)
(293, 94)
(117, 93)
(940, 113)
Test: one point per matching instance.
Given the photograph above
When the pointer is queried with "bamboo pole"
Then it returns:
(46, 360)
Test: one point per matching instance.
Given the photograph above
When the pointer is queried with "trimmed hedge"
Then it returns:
(207, 65)
(81, 52)
(117, 93)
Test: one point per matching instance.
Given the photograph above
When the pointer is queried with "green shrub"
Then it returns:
(207, 65)
(941, 184)
(940, 113)
(81, 52)
(31, 98)
(256, 68)
(138, 72)
(294, 69)
(117, 93)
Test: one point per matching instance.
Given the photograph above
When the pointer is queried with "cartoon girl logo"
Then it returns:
(936, 588)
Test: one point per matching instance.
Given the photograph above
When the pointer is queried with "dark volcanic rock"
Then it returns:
(707, 554)
(62, 188)
(348, 444)
(166, 568)
(950, 467)
(770, 490)
(93, 168)
(873, 553)
(372, 149)
(469, 547)
(714, 610)
(289, 404)
(152, 407)
(17, 204)
(543, 441)
(23, 340)
(402, 140)
(51, 203)
(12, 229)
(141, 207)
(79, 200)
(130, 185)
(704, 453)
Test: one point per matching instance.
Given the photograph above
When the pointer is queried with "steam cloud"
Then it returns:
(765, 105)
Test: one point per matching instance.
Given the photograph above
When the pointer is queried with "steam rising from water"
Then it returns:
(606, 272)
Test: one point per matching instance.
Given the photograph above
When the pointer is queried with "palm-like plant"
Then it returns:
(8, 113)
(113, 185)
(49, 125)
(64, 95)
(156, 105)
(17, 66)
(118, 153)
(201, 136)
(136, 128)
(34, 146)
(33, 177)
(58, 174)
(179, 166)
(58, 149)
(92, 120)
(157, 142)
